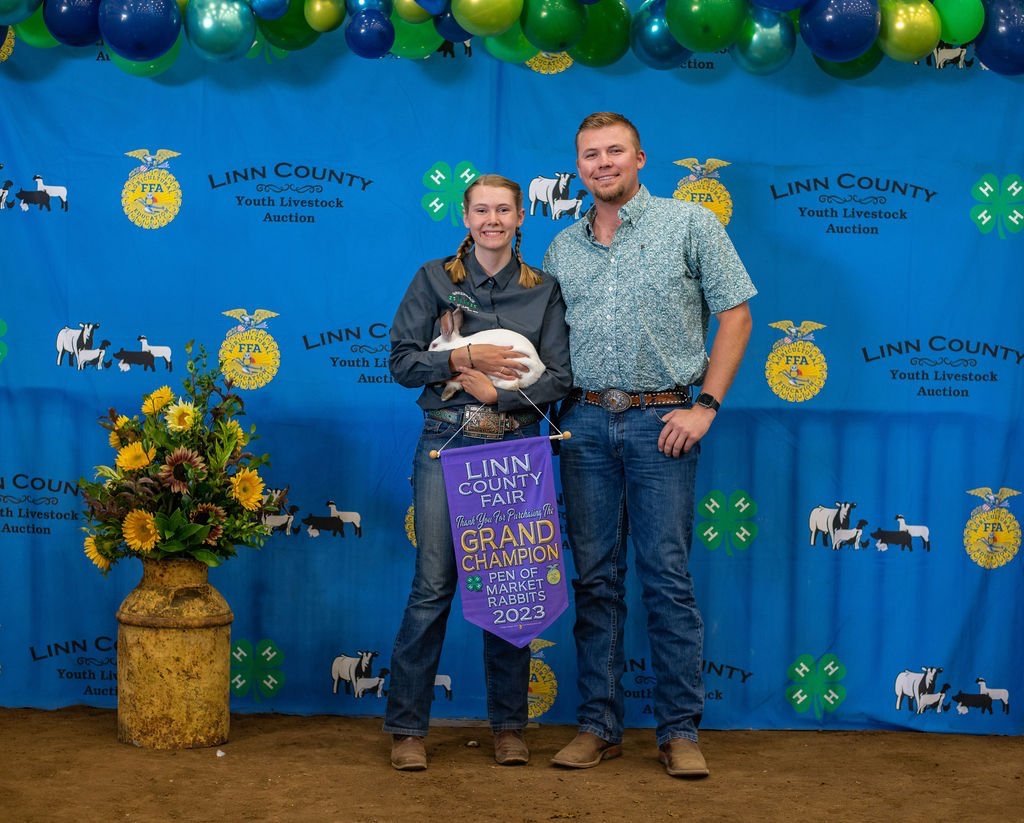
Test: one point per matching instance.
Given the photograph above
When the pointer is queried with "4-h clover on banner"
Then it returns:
(816, 684)
(727, 522)
(261, 666)
(445, 188)
(999, 206)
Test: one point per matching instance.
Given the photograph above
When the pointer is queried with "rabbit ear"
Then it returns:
(447, 325)
(457, 320)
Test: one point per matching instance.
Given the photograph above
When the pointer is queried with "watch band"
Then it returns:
(708, 401)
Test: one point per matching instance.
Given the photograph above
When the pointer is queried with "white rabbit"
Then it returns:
(450, 338)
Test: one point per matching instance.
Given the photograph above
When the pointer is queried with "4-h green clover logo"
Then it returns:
(816, 684)
(999, 207)
(474, 583)
(445, 188)
(261, 666)
(727, 522)
(3, 345)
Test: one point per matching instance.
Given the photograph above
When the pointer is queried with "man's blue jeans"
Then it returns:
(616, 481)
(417, 651)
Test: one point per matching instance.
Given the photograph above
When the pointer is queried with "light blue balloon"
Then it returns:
(16, 11)
(652, 42)
(220, 30)
(269, 9)
(766, 41)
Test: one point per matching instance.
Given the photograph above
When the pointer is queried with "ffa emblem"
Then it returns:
(796, 369)
(410, 525)
(549, 63)
(992, 535)
(543, 685)
(701, 186)
(6, 42)
(554, 575)
(249, 356)
(151, 196)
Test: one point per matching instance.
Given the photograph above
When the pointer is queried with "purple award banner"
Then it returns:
(508, 544)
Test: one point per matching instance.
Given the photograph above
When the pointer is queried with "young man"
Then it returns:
(640, 276)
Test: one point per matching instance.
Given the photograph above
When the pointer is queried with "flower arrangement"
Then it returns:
(182, 483)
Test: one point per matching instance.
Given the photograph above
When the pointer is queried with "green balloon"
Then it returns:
(606, 36)
(486, 17)
(511, 46)
(553, 25)
(147, 68)
(910, 29)
(852, 69)
(961, 20)
(290, 32)
(34, 32)
(414, 41)
(705, 25)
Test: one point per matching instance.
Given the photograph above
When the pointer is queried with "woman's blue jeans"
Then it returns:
(615, 482)
(417, 650)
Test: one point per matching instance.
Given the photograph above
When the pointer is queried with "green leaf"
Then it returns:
(207, 557)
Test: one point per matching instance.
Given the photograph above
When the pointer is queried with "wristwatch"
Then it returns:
(708, 401)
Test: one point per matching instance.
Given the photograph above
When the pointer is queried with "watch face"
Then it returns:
(707, 401)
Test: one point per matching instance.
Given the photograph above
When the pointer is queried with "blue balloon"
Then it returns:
(840, 30)
(447, 26)
(370, 34)
(73, 22)
(139, 29)
(1000, 46)
(779, 5)
(765, 43)
(435, 7)
(652, 42)
(16, 11)
(269, 9)
(353, 7)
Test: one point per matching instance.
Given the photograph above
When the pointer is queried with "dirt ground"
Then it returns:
(68, 766)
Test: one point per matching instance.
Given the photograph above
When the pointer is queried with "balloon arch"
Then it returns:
(848, 38)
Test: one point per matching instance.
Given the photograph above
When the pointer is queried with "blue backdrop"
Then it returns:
(878, 219)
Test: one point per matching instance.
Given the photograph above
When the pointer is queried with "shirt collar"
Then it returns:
(630, 212)
(478, 276)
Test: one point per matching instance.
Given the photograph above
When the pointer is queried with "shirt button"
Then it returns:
(607, 317)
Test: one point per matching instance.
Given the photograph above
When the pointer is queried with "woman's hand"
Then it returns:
(502, 362)
(477, 384)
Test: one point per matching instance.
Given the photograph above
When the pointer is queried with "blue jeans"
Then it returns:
(615, 482)
(417, 651)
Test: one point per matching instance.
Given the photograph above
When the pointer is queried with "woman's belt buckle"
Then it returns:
(615, 400)
(485, 424)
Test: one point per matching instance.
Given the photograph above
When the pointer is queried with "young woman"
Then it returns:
(492, 285)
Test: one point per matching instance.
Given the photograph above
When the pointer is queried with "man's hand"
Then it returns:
(683, 429)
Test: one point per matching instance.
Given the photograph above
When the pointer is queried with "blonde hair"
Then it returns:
(603, 119)
(528, 277)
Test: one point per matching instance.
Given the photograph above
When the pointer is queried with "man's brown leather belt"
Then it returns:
(617, 400)
(485, 421)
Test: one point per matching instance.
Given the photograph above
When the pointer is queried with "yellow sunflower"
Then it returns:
(139, 529)
(181, 416)
(247, 489)
(154, 402)
(118, 436)
(134, 456)
(94, 555)
(236, 431)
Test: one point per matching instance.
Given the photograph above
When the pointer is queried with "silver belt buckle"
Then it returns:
(615, 400)
(483, 423)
